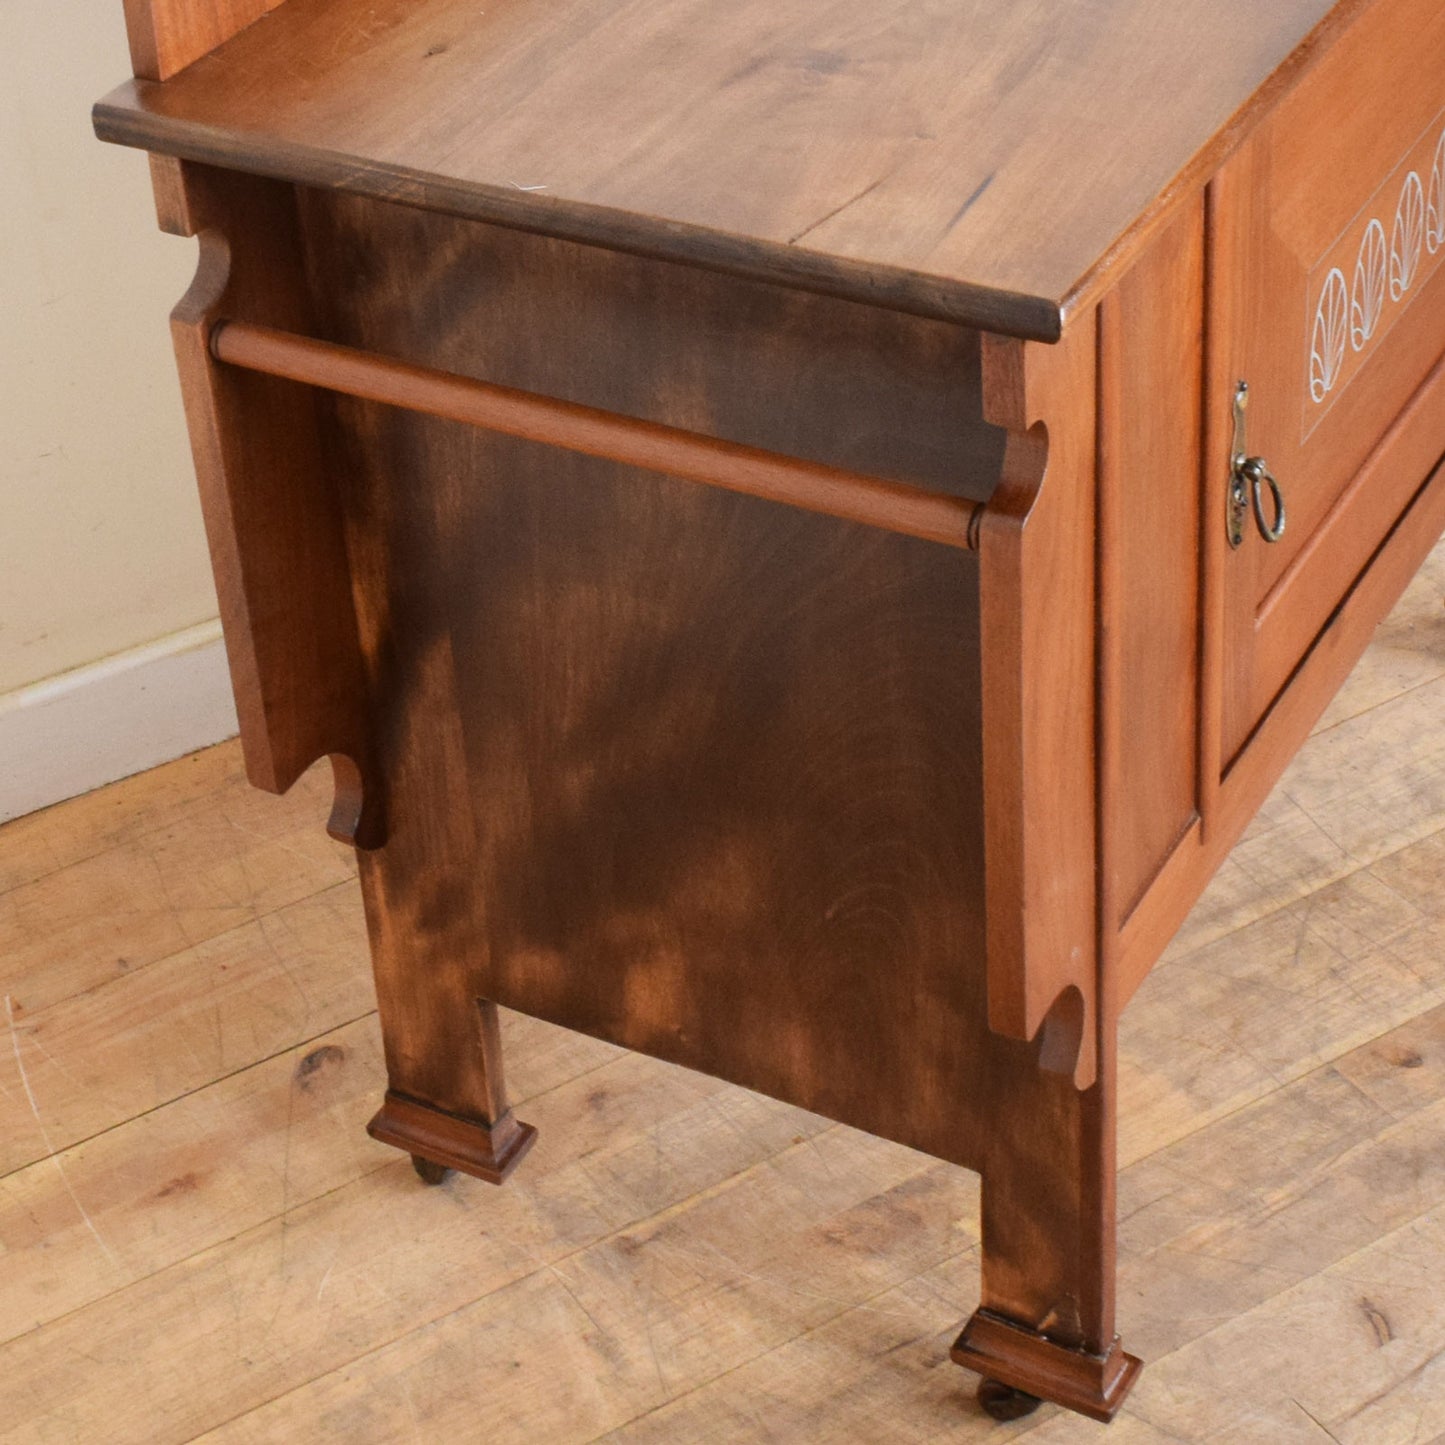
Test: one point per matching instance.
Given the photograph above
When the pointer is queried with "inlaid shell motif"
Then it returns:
(1435, 207)
(1368, 299)
(1407, 236)
(1327, 347)
(1392, 260)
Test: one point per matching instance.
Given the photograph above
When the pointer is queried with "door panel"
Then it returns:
(1327, 295)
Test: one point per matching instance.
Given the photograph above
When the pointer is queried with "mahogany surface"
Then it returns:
(989, 162)
(768, 782)
(688, 728)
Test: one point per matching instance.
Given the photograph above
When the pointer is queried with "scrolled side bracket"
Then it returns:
(1037, 613)
(273, 518)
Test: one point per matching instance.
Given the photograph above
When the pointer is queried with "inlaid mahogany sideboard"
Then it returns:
(806, 529)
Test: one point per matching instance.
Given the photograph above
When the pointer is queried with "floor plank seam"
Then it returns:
(131, 839)
(51, 1155)
(643, 1221)
(90, 990)
(1245, 1105)
(1394, 697)
(40, 820)
(612, 1430)
(205, 1249)
(382, 1163)
(1213, 940)
(544, 1267)
(186, 1094)
(1334, 1267)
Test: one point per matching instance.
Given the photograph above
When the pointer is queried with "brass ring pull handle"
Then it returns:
(1257, 472)
(1247, 477)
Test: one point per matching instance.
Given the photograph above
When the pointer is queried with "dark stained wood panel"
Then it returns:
(978, 160)
(677, 790)
(893, 395)
(674, 737)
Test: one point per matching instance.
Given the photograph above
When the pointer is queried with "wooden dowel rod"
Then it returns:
(892, 506)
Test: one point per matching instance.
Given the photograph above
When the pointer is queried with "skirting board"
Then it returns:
(68, 734)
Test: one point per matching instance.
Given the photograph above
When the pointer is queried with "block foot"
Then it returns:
(1018, 1362)
(438, 1141)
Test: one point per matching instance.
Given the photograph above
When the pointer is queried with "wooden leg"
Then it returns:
(1045, 1325)
(446, 1100)
(488, 1142)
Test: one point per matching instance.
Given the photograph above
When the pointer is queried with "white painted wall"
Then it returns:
(101, 546)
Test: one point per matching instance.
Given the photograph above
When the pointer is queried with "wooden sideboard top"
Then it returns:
(983, 160)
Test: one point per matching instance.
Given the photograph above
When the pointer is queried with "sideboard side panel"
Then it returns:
(689, 771)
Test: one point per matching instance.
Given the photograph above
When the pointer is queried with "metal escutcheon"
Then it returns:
(1248, 476)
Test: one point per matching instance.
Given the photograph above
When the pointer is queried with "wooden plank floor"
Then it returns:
(198, 1241)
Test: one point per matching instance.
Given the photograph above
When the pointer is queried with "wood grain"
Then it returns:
(1151, 345)
(805, 796)
(1038, 700)
(168, 35)
(1263, 1261)
(1287, 213)
(801, 795)
(272, 519)
(296, 968)
(1288, 723)
(993, 164)
(592, 432)
(636, 735)
(240, 1149)
(109, 913)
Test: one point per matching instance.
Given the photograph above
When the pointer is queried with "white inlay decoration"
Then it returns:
(1407, 236)
(1368, 299)
(1327, 348)
(1435, 210)
(1385, 270)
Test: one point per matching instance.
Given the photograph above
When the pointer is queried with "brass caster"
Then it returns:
(1003, 1402)
(429, 1172)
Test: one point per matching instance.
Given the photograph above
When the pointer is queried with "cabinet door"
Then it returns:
(1327, 296)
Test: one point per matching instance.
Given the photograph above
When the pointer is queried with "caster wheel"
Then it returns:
(1003, 1402)
(428, 1172)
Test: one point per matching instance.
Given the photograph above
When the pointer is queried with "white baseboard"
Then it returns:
(71, 733)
